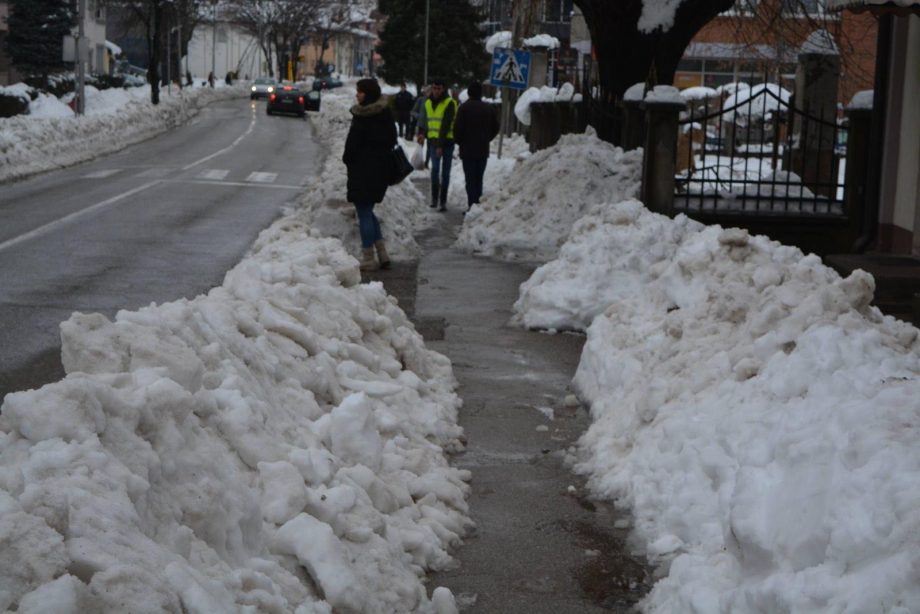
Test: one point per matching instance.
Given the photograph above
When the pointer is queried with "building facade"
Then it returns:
(762, 43)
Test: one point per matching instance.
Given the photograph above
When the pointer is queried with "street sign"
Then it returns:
(510, 68)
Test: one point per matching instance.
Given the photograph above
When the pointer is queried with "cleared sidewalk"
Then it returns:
(540, 545)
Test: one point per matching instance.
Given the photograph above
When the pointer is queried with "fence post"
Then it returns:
(857, 171)
(660, 155)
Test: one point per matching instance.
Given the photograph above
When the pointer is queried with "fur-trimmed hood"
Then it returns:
(379, 106)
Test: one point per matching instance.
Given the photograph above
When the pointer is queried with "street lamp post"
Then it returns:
(427, 13)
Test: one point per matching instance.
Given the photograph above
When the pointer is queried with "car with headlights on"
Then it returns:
(286, 99)
(262, 88)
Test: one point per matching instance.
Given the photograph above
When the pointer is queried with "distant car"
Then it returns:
(286, 99)
(326, 83)
(261, 88)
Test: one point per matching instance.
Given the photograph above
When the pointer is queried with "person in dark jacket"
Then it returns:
(476, 126)
(403, 103)
(370, 140)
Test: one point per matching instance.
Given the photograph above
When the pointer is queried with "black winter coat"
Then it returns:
(477, 124)
(367, 151)
(403, 103)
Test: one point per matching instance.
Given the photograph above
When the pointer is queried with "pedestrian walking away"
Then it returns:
(370, 140)
(476, 126)
(417, 112)
(403, 103)
(440, 113)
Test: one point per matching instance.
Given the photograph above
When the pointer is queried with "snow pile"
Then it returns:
(499, 40)
(758, 417)
(605, 259)
(52, 137)
(698, 92)
(323, 205)
(542, 40)
(275, 445)
(565, 93)
(546, 193)
(755, 103)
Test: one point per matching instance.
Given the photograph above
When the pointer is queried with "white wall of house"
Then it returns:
(97, 61)
(232, 50)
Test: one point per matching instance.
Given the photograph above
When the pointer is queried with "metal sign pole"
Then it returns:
(503, 121)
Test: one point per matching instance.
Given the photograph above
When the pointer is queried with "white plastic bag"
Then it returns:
(418, 157)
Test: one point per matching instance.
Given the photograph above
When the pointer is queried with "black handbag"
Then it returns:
(400, 167)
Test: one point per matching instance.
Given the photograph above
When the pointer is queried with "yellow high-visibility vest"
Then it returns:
(435, 116)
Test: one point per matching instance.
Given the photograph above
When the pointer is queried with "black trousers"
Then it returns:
(473, 171)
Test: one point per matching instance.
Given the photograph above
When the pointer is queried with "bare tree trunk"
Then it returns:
(626, 55)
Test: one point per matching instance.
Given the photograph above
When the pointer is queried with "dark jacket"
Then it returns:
(403, 104)
(477, 125)
(367, 151)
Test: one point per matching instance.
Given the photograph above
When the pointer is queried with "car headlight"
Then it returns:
(270, 89)
(253, 88)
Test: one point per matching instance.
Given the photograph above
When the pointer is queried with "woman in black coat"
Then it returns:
(371, 138)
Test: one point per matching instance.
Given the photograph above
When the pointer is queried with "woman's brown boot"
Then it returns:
(382, 255)
(368, 262)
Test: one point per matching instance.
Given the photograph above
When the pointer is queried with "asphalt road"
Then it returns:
(156, 222)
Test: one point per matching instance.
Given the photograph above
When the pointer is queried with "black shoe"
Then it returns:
(442, 208)
(433, 205)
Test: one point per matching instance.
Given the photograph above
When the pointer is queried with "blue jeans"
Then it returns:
(473, 171)
(440, 170)
(368, 224)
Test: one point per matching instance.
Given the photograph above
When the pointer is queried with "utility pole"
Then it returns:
(80, 45)
(168, 59)
(427, 14)
(214, 40)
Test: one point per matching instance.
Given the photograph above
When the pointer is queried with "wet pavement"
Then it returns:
(540, 546)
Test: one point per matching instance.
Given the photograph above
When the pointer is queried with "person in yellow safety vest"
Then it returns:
(437, 126)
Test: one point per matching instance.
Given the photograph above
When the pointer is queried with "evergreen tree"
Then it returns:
(456, 47)
(35, 42)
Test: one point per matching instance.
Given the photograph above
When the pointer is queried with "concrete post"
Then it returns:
(660, 155)
(816, 81)
(538, 67)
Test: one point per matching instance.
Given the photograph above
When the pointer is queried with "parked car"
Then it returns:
(261, 88)
(286, 99)
(326, 83)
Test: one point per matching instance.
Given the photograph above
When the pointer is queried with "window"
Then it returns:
(804, 7)
(557, 11)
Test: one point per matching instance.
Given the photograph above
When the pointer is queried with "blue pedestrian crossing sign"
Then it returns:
(510, 68)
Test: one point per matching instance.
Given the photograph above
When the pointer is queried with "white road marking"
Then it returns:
(215, 174)
(101, 174)
(252, 124)
(41, 230)
(156, 172)
(262, 177)
(236, 184)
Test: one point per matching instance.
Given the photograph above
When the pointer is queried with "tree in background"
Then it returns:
(632, 46)
(456, 52)
(282, 27)
(37, 28)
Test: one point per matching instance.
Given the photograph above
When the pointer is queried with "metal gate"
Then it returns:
(756, 153)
